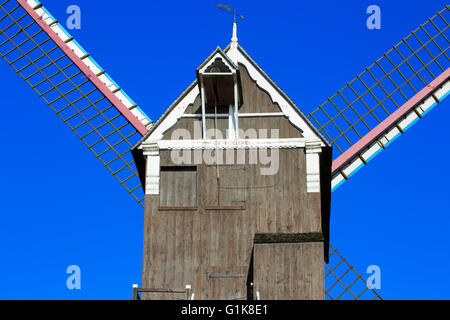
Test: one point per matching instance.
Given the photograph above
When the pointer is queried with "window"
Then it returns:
(178, 187)
(217, 120)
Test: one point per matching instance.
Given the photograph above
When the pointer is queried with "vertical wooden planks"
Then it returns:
(180, 261)
(181, 246)
(286, 271)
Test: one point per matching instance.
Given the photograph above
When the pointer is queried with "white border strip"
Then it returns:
(90, 63)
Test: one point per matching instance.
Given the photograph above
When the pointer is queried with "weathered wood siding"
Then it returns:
(181, 247)
(255, 99)
(288, 271)
(233, 203)
(178, 187)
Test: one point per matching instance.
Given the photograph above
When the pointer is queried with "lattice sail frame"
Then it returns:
(81, 93)
(343, 282)
(387, 98)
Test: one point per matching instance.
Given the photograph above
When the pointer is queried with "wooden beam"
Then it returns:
(261, 238)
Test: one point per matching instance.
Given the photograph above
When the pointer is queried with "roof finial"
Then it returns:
(227, 8)
(234, 39)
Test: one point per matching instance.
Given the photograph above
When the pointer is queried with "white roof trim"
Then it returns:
(229, 144)
(224, 59)
(286, 108)
(173, 116)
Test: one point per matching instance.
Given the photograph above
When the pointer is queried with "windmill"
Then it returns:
(360, 121)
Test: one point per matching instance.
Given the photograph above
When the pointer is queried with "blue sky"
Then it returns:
(59, 207)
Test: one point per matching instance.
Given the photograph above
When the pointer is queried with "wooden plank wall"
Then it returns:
(178, 187)
(181, 247)
(289, 271)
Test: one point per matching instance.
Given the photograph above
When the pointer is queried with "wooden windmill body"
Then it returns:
(219, 216)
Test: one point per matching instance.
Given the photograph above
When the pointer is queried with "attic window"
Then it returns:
(218, 66)
(218, 124)
(219, 85)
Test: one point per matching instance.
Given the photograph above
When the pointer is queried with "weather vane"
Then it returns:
(227, 8)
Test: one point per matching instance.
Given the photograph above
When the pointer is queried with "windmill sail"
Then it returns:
(343, 282)
(387, 98)
(69, 80)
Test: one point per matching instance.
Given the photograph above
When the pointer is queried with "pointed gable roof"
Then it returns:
(232, 56)
(278, 90)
